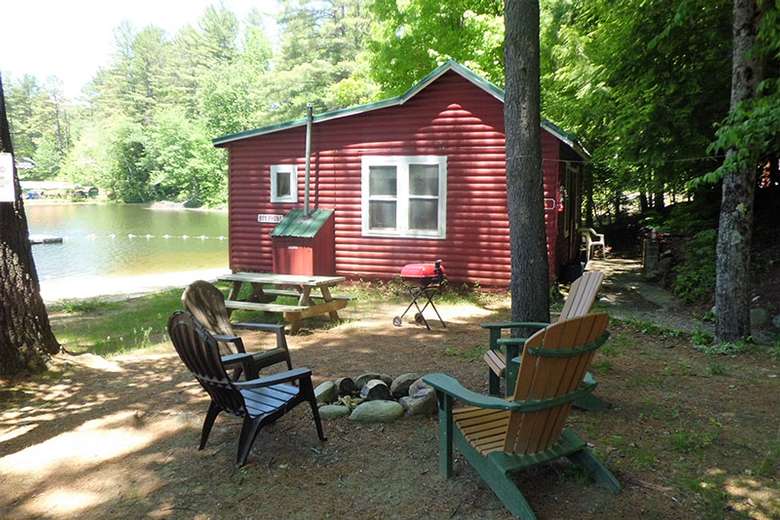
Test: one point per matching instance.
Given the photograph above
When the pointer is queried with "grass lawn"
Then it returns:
(691, 434)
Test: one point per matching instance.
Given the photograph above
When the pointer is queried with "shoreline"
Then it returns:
(117, 288)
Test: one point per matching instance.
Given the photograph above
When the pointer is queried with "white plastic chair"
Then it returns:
(593, 240)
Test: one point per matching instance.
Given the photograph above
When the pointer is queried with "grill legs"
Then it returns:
(415, 293)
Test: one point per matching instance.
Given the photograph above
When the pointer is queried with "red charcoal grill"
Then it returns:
(423, 281)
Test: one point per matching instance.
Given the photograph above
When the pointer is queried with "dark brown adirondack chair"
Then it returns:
(207, 305)
(259, 401)
(500, 436)
(582, 294)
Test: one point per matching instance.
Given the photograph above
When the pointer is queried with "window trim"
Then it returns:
(402, 163)
(292, 169)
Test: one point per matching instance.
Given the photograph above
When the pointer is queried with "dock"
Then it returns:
(45, 239)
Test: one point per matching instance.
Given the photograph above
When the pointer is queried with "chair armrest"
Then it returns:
(268, 327)
(233, 359)
(450, 386)
(267, 358)
(226, 338)
(511, 341)
(514, 325)
(275, 379)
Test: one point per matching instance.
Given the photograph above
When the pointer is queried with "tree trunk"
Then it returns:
(643, 202)
(658, 201)
(26, 339)
(525, 191)
(732, 291)
(589, 210)
(616, 204)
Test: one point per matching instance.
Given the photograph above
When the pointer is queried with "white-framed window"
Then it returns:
(404, 196)
(284, 183)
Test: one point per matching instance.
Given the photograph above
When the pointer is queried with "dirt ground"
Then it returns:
(688, 435)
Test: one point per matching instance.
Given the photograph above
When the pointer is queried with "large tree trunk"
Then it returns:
(525, 192)
(26, 339)
(735, 230)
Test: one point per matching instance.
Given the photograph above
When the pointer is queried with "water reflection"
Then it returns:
(96, 240)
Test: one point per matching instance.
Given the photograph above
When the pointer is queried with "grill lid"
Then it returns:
(426, 270)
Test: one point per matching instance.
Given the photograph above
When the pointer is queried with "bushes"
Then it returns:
(695, 276)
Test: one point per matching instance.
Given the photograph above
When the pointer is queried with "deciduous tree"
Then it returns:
(735, 230)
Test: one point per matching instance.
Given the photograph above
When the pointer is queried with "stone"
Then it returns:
(400, 385)
(419, 388)
(387, 379)
(423, 405)
(345, 386)
(759, 317)
(325, 392)
(375, 390)
(333, 411)
(362, 379)
(776, 321)
(377, 411)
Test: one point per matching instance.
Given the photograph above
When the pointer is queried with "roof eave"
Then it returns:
(432, 76)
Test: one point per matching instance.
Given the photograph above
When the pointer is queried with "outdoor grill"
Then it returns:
(423, 281)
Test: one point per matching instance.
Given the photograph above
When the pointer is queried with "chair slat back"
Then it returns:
(544, 377)
(207, 304)
(200, 353)
(582, 295)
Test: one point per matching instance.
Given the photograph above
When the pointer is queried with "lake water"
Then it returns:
(111, 240)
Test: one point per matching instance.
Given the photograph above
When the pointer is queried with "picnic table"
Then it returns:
(266, 287)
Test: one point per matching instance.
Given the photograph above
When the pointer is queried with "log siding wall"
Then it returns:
(450, 117)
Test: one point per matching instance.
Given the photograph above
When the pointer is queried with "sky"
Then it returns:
(71, 39)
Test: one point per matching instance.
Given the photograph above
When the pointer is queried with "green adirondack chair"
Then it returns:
(500, 436)
(503, 353)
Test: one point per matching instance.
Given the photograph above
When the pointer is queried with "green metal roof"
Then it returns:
(295, 224)
(452, 65)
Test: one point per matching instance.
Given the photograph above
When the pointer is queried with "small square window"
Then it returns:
(284, 183)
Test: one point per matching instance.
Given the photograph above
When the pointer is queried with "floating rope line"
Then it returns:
(148, 236)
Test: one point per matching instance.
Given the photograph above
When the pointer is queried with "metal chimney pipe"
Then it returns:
(306, 211)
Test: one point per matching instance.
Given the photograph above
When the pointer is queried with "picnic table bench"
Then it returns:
(266, 287)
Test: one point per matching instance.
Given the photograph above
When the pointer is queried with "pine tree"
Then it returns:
(525, 196)
(26, 339)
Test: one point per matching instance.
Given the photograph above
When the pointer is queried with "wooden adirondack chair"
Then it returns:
(500, 436)
(259, 401)
(582, 294)
(207, 305)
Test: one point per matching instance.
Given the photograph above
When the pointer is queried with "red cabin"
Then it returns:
(409, 179)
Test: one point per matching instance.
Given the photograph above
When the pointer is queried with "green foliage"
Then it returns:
(40, 126)
(770, 463)
(695, 278)
(689, 441)
(183, 164)
(725, 348)
(108, 328)
(410, 38)
(145, 131)
(750, 131)
(701, 338)
(716, 369)
(641, 82)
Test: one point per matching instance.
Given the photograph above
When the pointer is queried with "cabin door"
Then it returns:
(569, 218)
